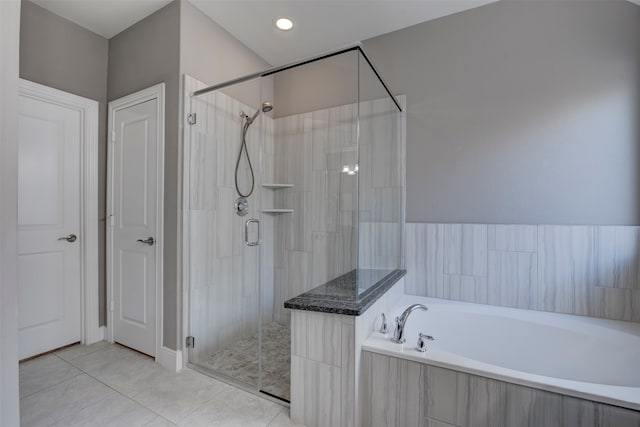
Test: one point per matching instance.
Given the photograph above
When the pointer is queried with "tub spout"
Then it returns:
(398, 336)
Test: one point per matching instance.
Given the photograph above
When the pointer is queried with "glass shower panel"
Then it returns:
(224, 271)
(312, 225)
(381, 180)
(326, 190)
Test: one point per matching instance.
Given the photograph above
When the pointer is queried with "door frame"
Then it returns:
(91, 332)
(153, 92)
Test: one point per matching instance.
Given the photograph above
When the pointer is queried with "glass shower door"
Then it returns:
(224, 247)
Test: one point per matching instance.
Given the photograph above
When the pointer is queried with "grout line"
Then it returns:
(110, 387)
(539, 297)
(133, 399)
(79, 409)
(273, 419)
(515, 252)
(56, 384)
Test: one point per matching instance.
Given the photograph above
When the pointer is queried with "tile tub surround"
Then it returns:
(350, 294)
(584, 357)
(398, 392)
(583, 270)
(325, 362)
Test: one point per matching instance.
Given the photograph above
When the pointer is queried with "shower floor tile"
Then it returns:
(239, 360)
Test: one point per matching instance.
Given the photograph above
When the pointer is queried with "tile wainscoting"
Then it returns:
(584, 270)
(399, 392)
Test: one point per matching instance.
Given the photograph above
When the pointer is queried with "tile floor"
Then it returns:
(109, 385)
(239, 360)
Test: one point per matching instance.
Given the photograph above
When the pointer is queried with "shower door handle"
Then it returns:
(246, 232)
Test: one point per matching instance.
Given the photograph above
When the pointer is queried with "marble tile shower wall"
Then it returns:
(317, 242)
(583, 270)
(299, 250)
(223, 271)
(322, 238)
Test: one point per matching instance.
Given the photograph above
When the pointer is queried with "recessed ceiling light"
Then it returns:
(285, 24)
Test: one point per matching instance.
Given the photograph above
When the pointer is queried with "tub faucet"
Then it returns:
(398, 336)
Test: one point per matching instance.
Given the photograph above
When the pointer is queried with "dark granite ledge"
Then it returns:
(340, 295)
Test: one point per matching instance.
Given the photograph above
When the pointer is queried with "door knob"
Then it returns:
(70, 238)
(148, 241)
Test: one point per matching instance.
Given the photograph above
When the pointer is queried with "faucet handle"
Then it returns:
(384, 329)
(398, 336)
(422, 345)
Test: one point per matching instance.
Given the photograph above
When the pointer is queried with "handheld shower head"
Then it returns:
(246, 122)
(266, 107)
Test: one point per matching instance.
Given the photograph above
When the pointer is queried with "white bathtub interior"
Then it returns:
(584, 357)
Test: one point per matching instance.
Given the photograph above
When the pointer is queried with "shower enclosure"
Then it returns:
(321, 144)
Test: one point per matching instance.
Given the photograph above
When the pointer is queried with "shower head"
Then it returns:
(267, 106)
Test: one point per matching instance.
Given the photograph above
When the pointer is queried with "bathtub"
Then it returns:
(584, 357)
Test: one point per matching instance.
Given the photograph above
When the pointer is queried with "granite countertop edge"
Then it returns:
(349, 308)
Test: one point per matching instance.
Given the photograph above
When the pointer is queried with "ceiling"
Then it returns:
(320, 25)
(104, 17)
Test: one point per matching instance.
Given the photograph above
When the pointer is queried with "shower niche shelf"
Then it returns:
(277, 186)
(277, 211)
(274, 186)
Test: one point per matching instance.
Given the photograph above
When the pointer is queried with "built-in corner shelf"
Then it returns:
(277, 211)
(277, 186)
(272, 186)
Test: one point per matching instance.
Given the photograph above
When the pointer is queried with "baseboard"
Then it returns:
(96, 335)
(170, 359)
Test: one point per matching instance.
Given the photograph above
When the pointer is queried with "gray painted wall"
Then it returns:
(144, 55)
(61, 54)
(209, 53)
(521, 112)
(225, 59)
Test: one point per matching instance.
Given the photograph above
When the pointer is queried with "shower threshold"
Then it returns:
(238, 384)
(237, 363)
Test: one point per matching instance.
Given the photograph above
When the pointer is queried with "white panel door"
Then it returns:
(134, 194)
(49, 311)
